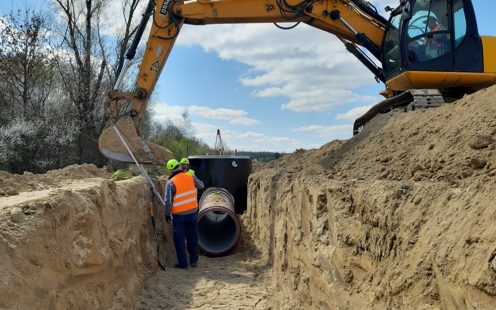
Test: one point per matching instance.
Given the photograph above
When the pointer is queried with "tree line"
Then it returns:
(56, 69)
(264, 157)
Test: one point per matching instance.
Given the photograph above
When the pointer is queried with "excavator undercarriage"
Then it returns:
(410, 100)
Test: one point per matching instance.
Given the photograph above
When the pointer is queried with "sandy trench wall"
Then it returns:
(376, 245)
(85, 246)
(401, 217)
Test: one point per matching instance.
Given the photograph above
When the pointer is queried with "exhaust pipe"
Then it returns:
(219, 228)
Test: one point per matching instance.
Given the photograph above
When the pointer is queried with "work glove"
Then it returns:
(168, 218)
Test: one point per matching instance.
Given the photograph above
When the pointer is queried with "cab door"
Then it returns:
(441, 36)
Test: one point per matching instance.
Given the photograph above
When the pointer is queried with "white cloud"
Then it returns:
(334, 131)
(353, 113)
(248, 141)
(207, 132)
(207, 129)
(165, 112)
(115, 13)
(236, 117)
(257, 141)
(251, 134)
(310, 67)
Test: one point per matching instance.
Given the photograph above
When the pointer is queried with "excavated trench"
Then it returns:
(400, 217)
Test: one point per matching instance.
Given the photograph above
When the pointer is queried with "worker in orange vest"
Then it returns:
(181, 207)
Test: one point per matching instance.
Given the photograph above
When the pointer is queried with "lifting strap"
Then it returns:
(153, 188)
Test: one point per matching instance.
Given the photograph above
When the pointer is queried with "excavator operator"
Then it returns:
(437, 42)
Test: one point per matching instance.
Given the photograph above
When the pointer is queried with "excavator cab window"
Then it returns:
(392, 56)
(435, 35)
(428, 34)
(460, 23)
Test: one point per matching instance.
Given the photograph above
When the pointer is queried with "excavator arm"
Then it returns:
(354, 22)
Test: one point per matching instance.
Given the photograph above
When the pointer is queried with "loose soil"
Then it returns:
(238, 281)
(13, 184)
(79, 241)
(399, 217)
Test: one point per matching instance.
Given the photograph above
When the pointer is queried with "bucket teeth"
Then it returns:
(145, 152)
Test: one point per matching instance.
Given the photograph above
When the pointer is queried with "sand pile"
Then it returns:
(13, 184)
(401, 216)
(76, 241)
(450, 144)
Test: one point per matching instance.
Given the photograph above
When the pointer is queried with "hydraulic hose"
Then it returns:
(219, 228)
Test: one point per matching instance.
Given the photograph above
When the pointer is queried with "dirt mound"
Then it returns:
(400, 216)
(72, 239)
(257, 165)
(451, 143)
(13, 184)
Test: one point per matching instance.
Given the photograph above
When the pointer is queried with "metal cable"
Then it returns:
(154, 190)
(141, 169)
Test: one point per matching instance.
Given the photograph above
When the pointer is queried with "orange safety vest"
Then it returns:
(185, 197)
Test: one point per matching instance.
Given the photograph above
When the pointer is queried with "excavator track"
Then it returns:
(409, 100)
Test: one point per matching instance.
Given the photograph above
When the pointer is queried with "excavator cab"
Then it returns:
(436, 44)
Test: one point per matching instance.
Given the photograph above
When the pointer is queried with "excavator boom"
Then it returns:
(169, 16)
(424, 62)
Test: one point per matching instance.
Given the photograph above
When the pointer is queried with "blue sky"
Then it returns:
(266, 88)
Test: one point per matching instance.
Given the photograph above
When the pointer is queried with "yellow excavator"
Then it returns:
(430, 52)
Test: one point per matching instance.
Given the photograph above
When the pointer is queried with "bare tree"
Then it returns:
(83, 82)
(36, 128)
(54, 81)
(26, 65)
(122, 38)
(91, 75)
(129, 8)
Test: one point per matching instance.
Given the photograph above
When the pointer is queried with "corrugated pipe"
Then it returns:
(219, 228)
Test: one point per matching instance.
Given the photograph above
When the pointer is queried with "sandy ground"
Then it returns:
(73, 239)
(238, 281)
(401, 216)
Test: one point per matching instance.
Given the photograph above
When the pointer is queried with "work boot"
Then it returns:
(181, 267)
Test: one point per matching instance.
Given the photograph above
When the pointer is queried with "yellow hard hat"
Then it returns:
(185, 161)
(172, 164)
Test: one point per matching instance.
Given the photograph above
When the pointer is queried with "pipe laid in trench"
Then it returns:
(219, 228)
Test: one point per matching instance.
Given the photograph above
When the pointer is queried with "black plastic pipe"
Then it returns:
(219, 228)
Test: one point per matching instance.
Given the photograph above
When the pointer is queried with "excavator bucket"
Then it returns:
(145, 152)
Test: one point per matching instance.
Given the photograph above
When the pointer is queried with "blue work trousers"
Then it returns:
(185, 229)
